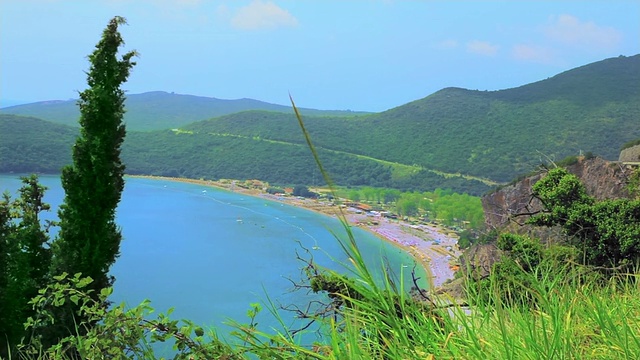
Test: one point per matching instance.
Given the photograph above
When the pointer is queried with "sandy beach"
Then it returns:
(431, 246)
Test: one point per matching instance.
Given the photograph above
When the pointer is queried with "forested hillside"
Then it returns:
(456, 138)
(159, 110)
(33, 145)
(489, 134)
(29, 144)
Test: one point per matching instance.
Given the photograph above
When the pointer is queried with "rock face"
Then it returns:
(478, 260)
(602, 179)
(631, 154)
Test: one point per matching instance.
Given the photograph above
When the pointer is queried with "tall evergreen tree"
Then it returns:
(89, 239)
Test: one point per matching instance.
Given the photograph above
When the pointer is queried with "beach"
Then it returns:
(432, 247)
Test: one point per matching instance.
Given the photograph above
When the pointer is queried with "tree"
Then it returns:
(607, 231)
(89, 239)
(25, 258)
(301, 190)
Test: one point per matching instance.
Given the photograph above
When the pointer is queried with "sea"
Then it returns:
(209, 253)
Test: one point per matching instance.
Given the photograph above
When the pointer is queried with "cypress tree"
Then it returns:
(89, 239)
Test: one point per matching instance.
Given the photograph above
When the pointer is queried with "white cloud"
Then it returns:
(262, 15)
(482, 48)
(569, 30)
(532, 53)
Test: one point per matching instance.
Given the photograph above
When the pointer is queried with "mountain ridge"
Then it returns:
(490, 135)
(159, 110)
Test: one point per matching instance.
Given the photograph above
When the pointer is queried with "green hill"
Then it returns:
(159, 110)
(30, 144)
(463, 139)
(33, 145)
(487, 134)
(502, 133)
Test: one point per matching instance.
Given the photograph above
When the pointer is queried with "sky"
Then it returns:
(328, 54)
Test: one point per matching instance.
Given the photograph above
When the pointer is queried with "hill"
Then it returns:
(29, 145)
(487, 134)
(35, 145)
(457, 138)
(502, 133)
(160, 110)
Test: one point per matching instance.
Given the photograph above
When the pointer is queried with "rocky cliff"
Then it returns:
(602, 179)
(631, 155)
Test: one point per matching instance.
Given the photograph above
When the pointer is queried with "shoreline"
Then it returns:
(431, 247)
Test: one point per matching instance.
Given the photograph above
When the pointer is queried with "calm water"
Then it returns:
(210, 253)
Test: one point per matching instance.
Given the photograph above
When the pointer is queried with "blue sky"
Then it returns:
(358, 55)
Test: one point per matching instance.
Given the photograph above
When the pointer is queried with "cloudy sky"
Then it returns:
(358, 55)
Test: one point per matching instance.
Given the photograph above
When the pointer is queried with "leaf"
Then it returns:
(106, 292)
(60, 277)
(199, 331)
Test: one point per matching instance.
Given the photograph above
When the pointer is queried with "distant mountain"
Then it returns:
(160, 110)
(456, 138)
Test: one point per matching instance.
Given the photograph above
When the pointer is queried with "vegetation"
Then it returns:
(448, 138)
(445, 206)
(89, 240)
(631, 143)
(25, 258)
(197, 155)
(607, 232)
(32, 145)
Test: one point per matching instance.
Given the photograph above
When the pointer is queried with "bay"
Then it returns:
(210, 253)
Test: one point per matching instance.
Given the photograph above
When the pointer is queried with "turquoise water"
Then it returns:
(210, 253)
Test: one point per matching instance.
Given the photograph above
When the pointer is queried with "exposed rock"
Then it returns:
(454, 290)
(505, 207)
(476, 263)
(631, 154)
(478, 259)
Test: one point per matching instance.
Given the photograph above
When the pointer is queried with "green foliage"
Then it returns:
(607, 232)
(275, 190)
(33, 145)
(568, 161)
(301, 190)
(634, 184)
(114, 333)
(89, 240)
(450, 208)
(630, 143)
(25, 258)
(525, 264)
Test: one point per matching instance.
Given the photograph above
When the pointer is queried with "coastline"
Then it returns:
(431, 247)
